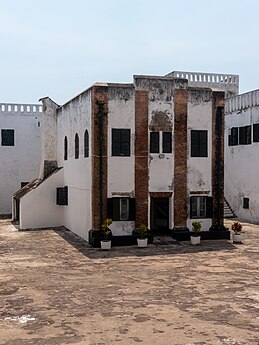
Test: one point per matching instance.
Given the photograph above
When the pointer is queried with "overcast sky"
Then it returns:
(58, 48)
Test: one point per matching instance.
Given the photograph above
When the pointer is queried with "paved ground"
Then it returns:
(54, 289)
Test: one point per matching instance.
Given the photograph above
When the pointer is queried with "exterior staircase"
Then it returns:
(228, 212)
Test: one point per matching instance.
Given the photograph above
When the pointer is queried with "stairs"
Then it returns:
(228, 212)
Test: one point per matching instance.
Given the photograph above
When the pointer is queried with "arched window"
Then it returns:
(65, 148)
(86, 144)
(76, 146)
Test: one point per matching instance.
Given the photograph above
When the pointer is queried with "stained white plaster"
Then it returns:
(75, 117)
(199, 168)
(21, 162)
(241, 161)
(121, 170)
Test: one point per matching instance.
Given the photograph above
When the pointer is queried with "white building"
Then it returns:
(241, 155)
(20, 146)
(150, 152)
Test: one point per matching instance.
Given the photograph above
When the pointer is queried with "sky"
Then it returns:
(59, 48)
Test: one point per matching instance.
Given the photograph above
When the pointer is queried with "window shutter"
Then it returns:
(209, 207)
(109, 208)
(7, 137)
(248, 135)
(132, 209)
(194, 144)
(256, 132)
(154, 142)
(116, 209)
(62, 196)
(167, 142)
(193, 207)
(125, 142)
(115, 142)
(203, 139)
(242, 136)
(120, 142)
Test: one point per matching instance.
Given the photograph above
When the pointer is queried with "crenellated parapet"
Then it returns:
(241, 102)
(24, 109)
(225, 82)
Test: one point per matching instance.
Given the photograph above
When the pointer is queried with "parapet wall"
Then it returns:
(24, 109)
(225, 82)
(241, 102)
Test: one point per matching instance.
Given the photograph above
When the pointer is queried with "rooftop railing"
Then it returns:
(14, 108)
(241, 102)
(225, 82)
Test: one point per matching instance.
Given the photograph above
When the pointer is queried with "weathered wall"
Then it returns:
(49, 137)
(38, 208)
(199, 168)
(121, 177)
(242, 164)
(21, 162)
(75, 117)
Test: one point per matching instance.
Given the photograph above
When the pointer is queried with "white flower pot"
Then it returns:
(142, 242)
(237, 238)
(195, 240)
(106, 244)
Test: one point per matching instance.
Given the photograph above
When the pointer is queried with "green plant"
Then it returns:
(236, 227)
(105, 227)
(196, 227)
(143, 231)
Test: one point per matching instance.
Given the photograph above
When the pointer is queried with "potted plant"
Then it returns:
(237, 228)
(142, 232)
(196, 228)
(107, 234)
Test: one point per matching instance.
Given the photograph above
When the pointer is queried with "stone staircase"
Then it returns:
(228, 211)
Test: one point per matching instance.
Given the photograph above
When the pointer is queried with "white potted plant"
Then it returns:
(237, 228)
(107, 234)
(143, 232)
(196, 228)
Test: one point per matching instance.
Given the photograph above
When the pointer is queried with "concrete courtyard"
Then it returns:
(55, 289)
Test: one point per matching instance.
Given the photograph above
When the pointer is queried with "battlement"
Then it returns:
(225, 82)
(14, 109)
(241, 102)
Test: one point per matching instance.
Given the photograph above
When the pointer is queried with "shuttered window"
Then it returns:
(119, 209)
(245, 135)
(233, 137)
(167, 142)
(7, 137)
(154, 142)
(199, 143)
(62, 195)
(256, 132)
(120, 142)
(201, 207)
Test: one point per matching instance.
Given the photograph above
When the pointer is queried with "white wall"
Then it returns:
(121, 170)
(38, 208)
(21, 162)
(241, 162)
(199, 168)
(75, 117)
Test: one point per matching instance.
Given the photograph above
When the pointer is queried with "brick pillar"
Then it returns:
(180, 158)
(99, 96)
(141, 156)
(218, 159)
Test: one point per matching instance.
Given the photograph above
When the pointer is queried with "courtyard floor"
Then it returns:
(55, 290)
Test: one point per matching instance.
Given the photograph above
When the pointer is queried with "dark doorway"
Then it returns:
(159, 217)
